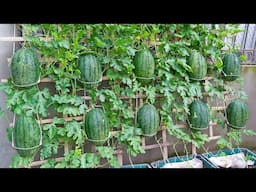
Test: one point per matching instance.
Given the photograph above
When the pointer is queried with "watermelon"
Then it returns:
(237, 114)
(90, 69)
(144, 66)
(26, 136)
(231, 67)
(148, 120)
(25, 68)
(198, 66)
(96, 126)
(199, 115)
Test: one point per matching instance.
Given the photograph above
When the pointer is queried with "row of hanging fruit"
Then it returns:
(25, 72)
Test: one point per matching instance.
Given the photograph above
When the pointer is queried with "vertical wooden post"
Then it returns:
(143, 139)
(120, 157)
(210, 129)
(165, 148)
(93, 148)
(193, 149)
(210, 123)
(66, 144)
(66, 147)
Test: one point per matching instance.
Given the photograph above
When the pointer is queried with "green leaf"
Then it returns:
(4, 86)
(129, 137)
(58, 120)
(114, 163)
(69, 110)
(60, 165)
(150, 93)
(89, 160)
(167, 48)
(179, 133)
(223, 143)
(105, 152)
(75, 131)
(219, 63)
(243, 57)
(199, 139)
(99, 42)
(42, 102)
(64, 44)
(48, 149)
(18, 161)
(62, 84)
(49, 164)
(62, 132)
(235, 136)
(131, 51)
(67, 99)
(102, 98)
(195, 90)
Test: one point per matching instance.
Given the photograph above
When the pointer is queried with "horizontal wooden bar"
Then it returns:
(46, 80)
(20, 39)
(49, 80)
(12, 39)
(153, 146)
(249, 65)
(47, 121)
(80, 118)
(218, 108)
(77, 118)
(245, 50)
(37, 163)
(4, 80)
(214, 137)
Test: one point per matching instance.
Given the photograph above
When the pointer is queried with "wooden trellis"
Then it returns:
(139, 99)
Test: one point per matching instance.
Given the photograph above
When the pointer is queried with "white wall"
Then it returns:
(6, 49)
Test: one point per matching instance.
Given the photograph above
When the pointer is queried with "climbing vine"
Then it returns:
(115, 45)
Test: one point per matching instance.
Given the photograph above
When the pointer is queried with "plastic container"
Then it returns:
(137, 166)
(161, 163)
(248, 153)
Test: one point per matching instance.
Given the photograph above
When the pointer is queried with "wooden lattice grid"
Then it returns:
(139, 99)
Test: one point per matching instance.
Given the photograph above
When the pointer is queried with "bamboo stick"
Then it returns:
(20, 39)
(193, 149)
(37, 163)
(165, 148)
(143, 141)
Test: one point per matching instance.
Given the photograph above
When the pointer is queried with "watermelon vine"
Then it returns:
(119, 49)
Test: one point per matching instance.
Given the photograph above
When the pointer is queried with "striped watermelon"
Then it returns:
(237, 114)
(198, 66)
(26, 134)
(25, 68)
(90, 68)
(231, 67)
(199, 116)
(96, 126)
(144, 66)
(148, 120)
